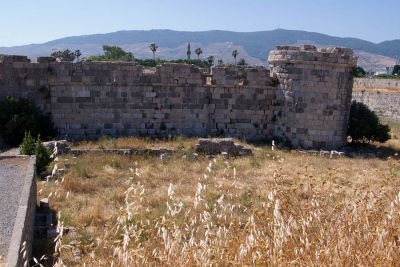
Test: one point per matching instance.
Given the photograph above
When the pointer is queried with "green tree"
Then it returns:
(235, 53)
(27, 146)
(364, 125)
(30, 146)
(220, 62)
(359, 72)
(113, 53)
(396, 70)
(19, 115)
(242, 62)
(198, 52)
(66, 55)
(42, 154)
(153, 48)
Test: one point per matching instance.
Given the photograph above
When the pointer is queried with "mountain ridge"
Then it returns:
(256, 44)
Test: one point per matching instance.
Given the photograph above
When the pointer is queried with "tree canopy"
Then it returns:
(365, 126)
(359, 72)
(113, 53)
(66, 55)
(396, 70)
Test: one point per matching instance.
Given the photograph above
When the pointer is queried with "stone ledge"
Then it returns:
(22, 235)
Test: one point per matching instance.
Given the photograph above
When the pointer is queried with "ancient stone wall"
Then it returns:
(90, 99)
(309, 107)
(314, 94)
(380, 95)
(385, 105)
(376, 84)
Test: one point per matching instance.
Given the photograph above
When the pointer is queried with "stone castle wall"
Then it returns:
(385, 105)
(380, 95)
(376, 84)
(314, 94)
(90, 99)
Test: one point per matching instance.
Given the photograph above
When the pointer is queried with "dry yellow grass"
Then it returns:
(274, 208)
(137, 142)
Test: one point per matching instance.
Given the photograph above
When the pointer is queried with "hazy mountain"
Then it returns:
(253, 46)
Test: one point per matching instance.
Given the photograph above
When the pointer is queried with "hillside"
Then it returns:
(253, 46)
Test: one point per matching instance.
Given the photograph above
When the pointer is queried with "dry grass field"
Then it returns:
(274, 208)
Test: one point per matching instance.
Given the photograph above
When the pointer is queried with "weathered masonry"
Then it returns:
(380, 95)
(305, 98)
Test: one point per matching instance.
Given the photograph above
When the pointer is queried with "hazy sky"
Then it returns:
(36, 21)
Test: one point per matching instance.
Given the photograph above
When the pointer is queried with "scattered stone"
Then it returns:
(325, 153)
(336, 154)
(67, 165)
(184, 157)
(225, 155)
(195, 156)
(214, 146)
(77, 252)
(162, 157)
(60, 147)
(243, 150)
(73, 243)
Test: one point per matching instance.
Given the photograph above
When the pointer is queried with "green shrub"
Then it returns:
(386, 76)
(31, 147)
(42, 156)
(359, 72)
(28, 145)
(365, 126)
(18, 116)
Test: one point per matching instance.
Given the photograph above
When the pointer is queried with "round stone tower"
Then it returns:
(314, 94)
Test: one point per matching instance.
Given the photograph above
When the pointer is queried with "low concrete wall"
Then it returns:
(22, 235)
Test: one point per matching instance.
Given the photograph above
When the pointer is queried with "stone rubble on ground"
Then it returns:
(214, 146)
(59, 147)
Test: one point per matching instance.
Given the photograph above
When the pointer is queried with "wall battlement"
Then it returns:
(89, 99)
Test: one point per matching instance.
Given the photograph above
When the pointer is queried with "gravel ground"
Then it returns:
(11, 185)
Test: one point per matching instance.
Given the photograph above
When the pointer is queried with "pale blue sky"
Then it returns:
(36, 21)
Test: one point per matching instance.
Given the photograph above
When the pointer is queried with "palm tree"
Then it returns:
(198, 52)
(235, 53)
(153, 48)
